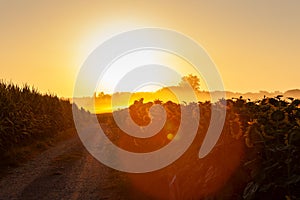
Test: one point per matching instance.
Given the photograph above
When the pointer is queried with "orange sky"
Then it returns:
(255, 44)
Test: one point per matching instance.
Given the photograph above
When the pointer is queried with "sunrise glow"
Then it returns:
(157, 100)
(45, 43)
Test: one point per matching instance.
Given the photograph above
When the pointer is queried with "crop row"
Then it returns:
(26, 115)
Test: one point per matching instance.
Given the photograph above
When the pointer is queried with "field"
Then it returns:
(256, 156)
(28, 117)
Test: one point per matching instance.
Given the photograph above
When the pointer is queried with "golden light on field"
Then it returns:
(254, 47)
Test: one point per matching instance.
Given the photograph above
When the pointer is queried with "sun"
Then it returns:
(125, 65)
(131, 61)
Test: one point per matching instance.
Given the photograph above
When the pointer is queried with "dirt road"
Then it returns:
(66, 171)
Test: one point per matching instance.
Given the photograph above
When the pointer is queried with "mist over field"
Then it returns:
(101, 103)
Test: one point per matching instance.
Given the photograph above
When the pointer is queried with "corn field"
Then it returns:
(26, 115)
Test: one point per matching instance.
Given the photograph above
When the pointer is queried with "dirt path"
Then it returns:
(66, 171)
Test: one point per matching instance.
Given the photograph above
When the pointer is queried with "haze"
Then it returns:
(255, 44)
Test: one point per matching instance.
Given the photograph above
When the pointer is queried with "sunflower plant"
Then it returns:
(272, 135)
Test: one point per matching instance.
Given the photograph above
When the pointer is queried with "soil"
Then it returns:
(64, 171)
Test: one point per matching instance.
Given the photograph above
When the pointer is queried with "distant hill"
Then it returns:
(102, 103)
(293, 93)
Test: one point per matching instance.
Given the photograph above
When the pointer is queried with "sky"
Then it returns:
(254, 44)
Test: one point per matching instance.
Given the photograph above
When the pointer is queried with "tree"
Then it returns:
(192, 80)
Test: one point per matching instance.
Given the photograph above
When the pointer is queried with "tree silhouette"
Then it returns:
(191, 80)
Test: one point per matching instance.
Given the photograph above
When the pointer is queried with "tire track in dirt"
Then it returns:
(66, 171)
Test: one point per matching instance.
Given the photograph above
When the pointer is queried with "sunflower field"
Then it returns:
(272, 136)
(256, 156)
